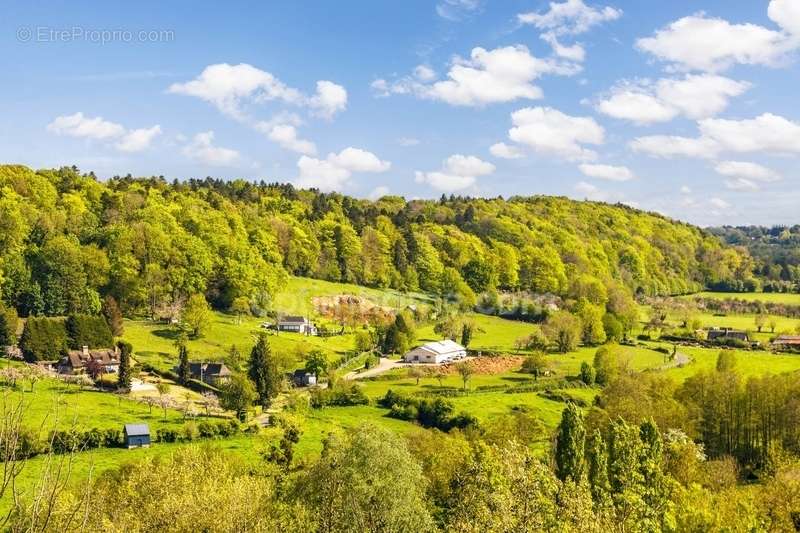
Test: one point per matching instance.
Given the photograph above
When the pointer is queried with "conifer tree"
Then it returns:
(264, 372)
(184, 371)
(124, 373)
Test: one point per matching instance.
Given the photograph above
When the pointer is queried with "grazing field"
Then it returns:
(771, 297)
(749, 363)
(53, 403)
(492, 333)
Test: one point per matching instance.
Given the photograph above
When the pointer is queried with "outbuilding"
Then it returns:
(436, 352)
(137, 436)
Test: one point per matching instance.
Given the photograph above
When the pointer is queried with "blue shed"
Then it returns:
(137, 436)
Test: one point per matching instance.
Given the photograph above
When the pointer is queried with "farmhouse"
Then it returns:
(722, 334)
(76, 360)
(787, 341)
(137, 436)
(436, 352)
(211, 373)
(297, 324)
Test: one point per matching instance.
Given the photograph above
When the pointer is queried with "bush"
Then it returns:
(587, 373)
(166, 435)
(87, 330)
(43, 339)
(346, 394)
(436, 413)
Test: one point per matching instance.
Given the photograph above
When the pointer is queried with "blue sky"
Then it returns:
(686, 108)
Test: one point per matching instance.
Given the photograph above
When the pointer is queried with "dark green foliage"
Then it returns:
(569, 452)
(124, 374)
(184, 370)
(86, 330)
(43, 339)
(238, 395)
(113, 316)
(587, 373)
(316, 363)
(437, 413)
(341, 395)
(8, 326)
(400, 335)
(263, 371)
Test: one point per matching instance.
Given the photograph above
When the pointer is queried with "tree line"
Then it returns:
(68, 240)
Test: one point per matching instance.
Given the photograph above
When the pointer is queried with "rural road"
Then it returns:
(384, 365)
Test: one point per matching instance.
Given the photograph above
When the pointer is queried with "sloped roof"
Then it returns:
(442, 347)
(137, 430)
(293, 320)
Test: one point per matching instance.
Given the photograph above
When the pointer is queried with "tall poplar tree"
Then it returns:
(264, 372)
(570, 445)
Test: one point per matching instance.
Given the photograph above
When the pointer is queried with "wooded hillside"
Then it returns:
(67, 240)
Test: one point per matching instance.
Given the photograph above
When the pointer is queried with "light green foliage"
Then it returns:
(238, 395)
(569, 452)
(564, 330)
(366, 480)
(591, 317)
(196, 315)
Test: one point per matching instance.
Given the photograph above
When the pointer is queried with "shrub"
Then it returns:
(189, 432)
(43, 339)
(346, 394)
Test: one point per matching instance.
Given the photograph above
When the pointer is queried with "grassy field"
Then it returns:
(772, 297)
(749, 363)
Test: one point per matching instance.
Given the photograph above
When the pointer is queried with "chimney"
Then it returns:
(85, 350)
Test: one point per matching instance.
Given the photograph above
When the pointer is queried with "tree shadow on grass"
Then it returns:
(518, 379)
(171, 334)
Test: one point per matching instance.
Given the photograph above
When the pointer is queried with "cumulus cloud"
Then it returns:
(505, 151)
(693, 96)
(745, 176)
(766, 133)
(235, 89)
(487, 77)
(568, 18)
(551, 132)
(97, 128)
(329, 100)
(139, 139)
(698, 42)
(571, 17)
(228, 87)
(786, 14)
(607, 172)
(202, 149)
(334, 172)
(458, 172)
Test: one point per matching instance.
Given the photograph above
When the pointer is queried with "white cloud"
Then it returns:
(694, 96)
(505, 151)
(286, 136)
(378, 192)
(488, 76)
(549, 131)
(202, 149)
(424, 73)
(607, 172)
(458, 172)
(571, 17)
(574, 52)
(708, 44)
(138, 140)
(329, 100)
(78, 125)
(456, 10)
(674, 146)
(746, 170)
(334, 172)
(232, 88)
(228, 87)
(686, 190)
(594, 193)
(786, 14)
(97, 128)
(767, 133)
(742, 184)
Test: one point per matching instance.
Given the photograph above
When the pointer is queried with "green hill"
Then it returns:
(67, 240)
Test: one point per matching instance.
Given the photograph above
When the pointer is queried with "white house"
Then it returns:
(436, 352)
(298, 324)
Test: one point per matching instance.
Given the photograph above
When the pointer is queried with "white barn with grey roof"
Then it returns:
(436, 352)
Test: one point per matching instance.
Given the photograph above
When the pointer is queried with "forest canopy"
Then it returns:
(67, 240)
